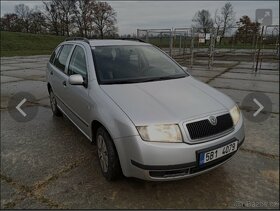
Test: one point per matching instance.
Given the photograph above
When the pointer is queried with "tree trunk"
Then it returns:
(26, 26)
(101, 33)
(67, 27)
(56, 31)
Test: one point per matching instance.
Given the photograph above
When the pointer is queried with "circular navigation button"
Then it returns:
(21, 107)
(256, 106)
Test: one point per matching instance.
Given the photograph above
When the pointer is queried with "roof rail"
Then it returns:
(77, 38)
(134, 39)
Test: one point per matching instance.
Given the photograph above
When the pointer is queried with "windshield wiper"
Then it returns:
(144, 79)
(165, 78)
(124, 81)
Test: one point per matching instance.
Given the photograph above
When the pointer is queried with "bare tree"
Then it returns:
(59, 13)
(84, 11)
(226, 18)
(247, 29)
(23, 12)
(104, 20)
(10, 22)
(218, 21)
(64, 17)
(66, 8)
(52, 16)
(37, 22)
(203, 21)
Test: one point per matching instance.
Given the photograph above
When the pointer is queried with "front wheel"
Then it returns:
(107, 154)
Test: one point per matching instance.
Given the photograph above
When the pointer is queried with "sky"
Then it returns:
(165, 14)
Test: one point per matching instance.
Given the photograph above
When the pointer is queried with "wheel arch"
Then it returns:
(94, 126)
(49, 87)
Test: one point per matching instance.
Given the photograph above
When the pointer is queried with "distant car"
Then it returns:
(149, 118)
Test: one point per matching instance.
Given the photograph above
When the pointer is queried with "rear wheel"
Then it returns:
(107, 154)
(53, 103)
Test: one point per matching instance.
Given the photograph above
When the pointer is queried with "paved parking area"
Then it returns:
(48, 163)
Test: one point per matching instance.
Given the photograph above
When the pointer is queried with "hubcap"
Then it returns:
(102, 153)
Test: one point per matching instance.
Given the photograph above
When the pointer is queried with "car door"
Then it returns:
(77, 95)
(59, 77)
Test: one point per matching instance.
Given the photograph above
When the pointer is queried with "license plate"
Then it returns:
(206, 157)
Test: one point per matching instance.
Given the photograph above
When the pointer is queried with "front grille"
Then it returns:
(202, 129)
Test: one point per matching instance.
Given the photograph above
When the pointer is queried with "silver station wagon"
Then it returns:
(149, 118)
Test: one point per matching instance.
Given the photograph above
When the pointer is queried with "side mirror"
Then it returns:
(184, 68)
(76, 79)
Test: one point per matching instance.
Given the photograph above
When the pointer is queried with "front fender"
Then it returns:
(110, 115)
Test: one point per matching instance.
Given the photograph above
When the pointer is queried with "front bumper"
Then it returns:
(169, 161)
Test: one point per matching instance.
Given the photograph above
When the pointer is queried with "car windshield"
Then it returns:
(133, 64)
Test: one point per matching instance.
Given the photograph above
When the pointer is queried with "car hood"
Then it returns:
(168, 101)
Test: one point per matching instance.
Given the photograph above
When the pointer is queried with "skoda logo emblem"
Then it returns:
(213, 120)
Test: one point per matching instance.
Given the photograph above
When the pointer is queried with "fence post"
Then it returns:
(263, 37)
(258, 54)
(255, 43)
(215, 33)
(180, 44)
(191, 47)
(185, 43)
(277, 45)
(171, 42)
(211, 48)
(160, 39)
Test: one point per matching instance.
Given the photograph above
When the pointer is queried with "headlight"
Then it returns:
(235, 114)
(160, 133)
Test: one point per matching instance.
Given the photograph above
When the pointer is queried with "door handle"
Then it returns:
(64, 83)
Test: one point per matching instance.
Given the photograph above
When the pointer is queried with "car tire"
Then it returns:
(53, 103)
(107, 155)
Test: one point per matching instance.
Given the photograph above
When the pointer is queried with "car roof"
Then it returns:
(115, 42)
(93, 42)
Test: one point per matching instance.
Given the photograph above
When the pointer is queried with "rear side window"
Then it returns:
(78, 63)
(54, 54)
(60, 61)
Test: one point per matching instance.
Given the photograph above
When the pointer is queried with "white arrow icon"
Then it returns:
(267, 13)
(260, 107)
(19, 109)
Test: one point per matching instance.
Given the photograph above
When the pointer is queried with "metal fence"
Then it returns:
(159, 37)
(188, 45)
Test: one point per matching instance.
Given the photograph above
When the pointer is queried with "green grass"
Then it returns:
(26, 44)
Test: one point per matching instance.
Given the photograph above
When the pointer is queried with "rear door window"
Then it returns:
(60, 61)
(54, 54)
